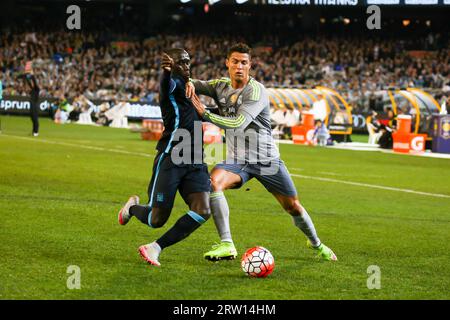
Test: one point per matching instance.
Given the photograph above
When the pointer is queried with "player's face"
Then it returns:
(238, 65)
(182, 64)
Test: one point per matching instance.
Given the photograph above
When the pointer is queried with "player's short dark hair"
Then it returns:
(239, 47)
(174, 51)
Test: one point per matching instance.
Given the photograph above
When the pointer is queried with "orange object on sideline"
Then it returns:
(307, 119)
(404, 124)
(409, 143)
(154, 129)
(304, 133)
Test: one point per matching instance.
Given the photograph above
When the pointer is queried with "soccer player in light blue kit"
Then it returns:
(244, 112)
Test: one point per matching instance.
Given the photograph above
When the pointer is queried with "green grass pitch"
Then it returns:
(60, 194)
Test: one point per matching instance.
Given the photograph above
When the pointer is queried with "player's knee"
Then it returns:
(201, 209)
(217, 184)
(293, 208)
(199, 203)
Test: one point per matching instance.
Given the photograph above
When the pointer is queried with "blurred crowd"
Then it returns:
(102, 67)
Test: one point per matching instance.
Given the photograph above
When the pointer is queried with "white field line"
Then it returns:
(374, 186)
(330, 173)
(147, 155)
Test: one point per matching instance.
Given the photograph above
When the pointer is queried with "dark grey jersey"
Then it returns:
(245, 115)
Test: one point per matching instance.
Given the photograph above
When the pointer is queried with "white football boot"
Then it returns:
(124, 213)
(150, 253)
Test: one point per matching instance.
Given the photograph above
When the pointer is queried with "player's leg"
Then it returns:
(184, 226)
(158, 216)
(303, 221)
(161, 192)
(132, 208)
(222, 180)
(154, 217)
(194, 188)
(224, 177)
(280, 184)
(300, 216)
(198, 214)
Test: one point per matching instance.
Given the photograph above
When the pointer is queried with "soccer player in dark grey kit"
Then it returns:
(189, 177)
(244, 109)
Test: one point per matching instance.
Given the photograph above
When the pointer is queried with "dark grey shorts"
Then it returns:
(274, 177)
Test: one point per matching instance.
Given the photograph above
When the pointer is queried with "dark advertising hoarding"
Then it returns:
(21, 105)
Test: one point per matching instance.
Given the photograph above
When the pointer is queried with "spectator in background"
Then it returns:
(63, 111)
(292, 118)
(118, 114)
(321, 133)
(278, 121)
(373, 127)
(86, 108)
(445, 103)
(385, 141)
(319, 108)
(94, 65)
(100, 116)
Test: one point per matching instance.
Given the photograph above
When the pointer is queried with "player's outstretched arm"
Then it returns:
(241, 121)
(200, 87)
(166, 84)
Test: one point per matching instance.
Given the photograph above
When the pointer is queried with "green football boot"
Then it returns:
(323, 252)
(221, 251)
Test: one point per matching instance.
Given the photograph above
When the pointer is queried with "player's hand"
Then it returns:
(166, 62)
(190, 90)
(198, 105)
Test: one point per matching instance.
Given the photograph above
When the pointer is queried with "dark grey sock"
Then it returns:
(181, 229)
(141, 212)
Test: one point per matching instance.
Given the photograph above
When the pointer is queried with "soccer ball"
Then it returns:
(257, 262)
